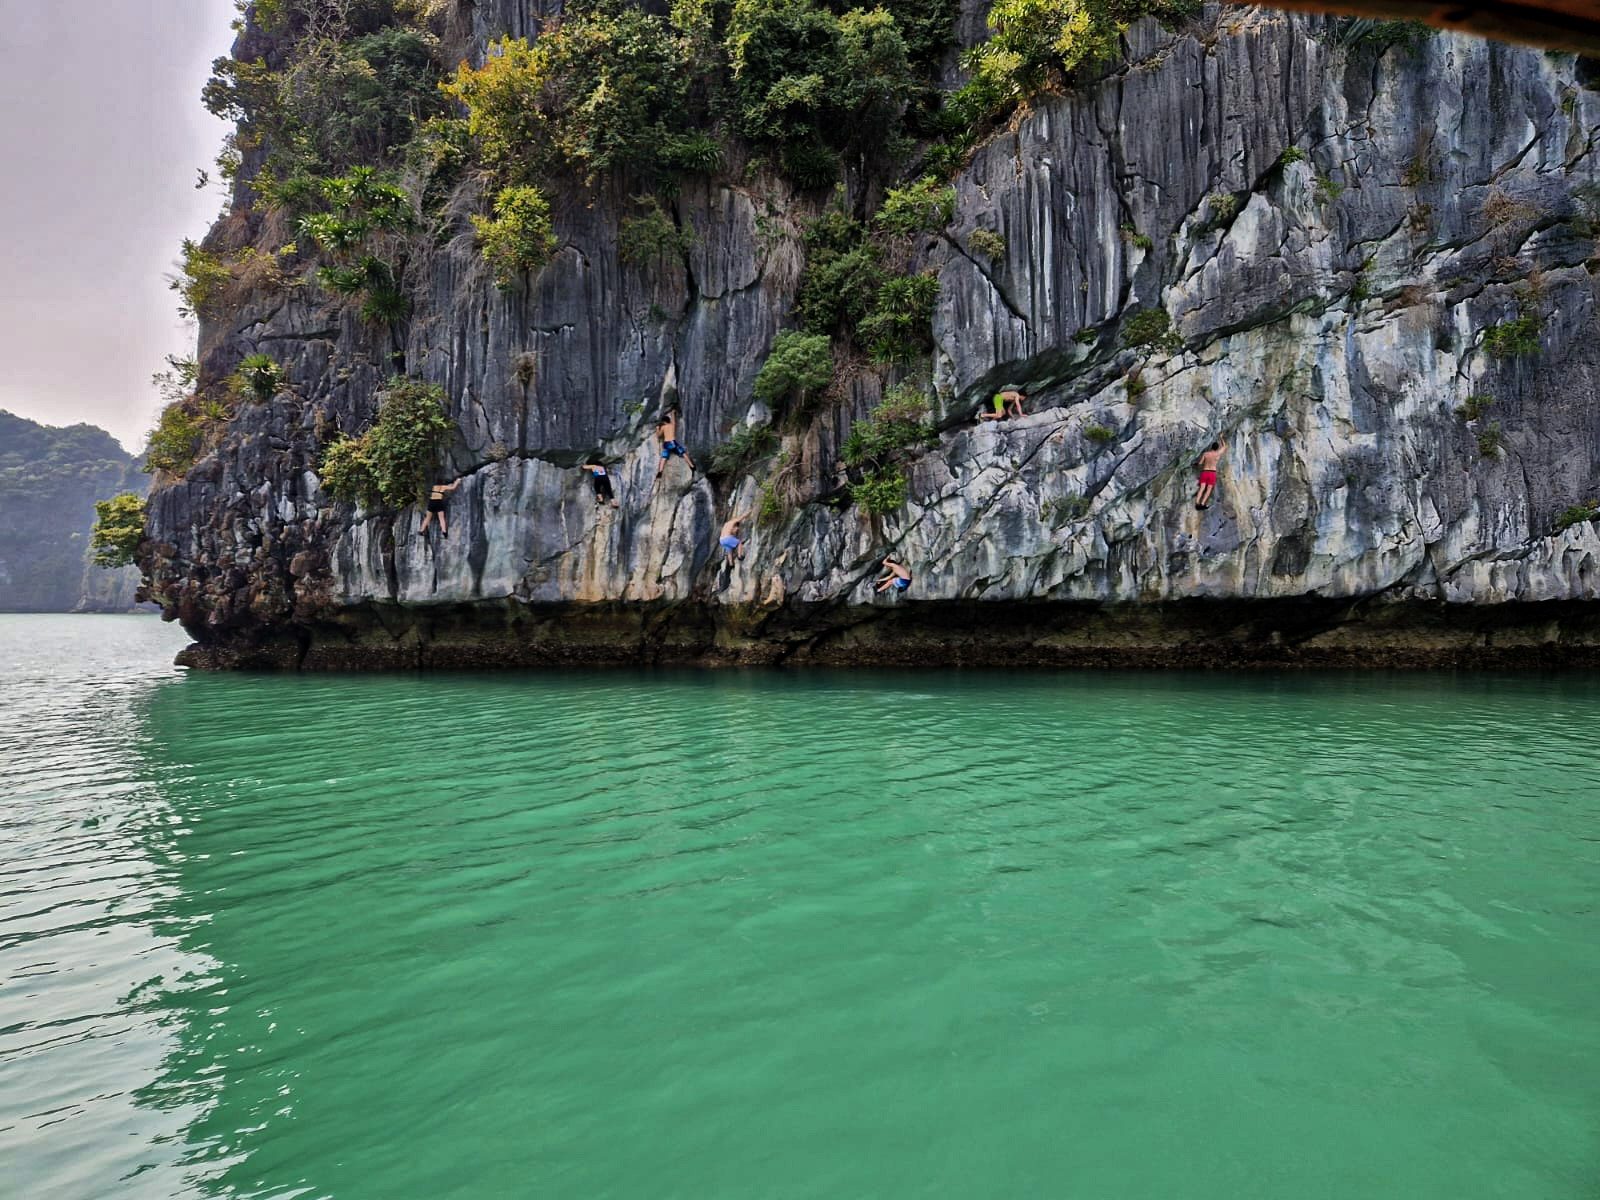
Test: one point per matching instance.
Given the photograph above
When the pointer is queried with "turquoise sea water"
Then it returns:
(792, 935)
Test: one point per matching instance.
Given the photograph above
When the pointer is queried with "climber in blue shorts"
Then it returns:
(667, 435)
(896, 576)
(730, 541)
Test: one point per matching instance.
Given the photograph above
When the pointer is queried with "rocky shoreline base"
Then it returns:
(1304, 632)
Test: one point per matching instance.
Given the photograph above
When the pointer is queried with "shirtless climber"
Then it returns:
(1007, 403)
(730, 541)
(896, 576)
(667, 435)
(436, 494)
(1208, 473)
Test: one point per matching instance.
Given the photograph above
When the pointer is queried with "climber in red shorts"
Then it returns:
(1208, 473)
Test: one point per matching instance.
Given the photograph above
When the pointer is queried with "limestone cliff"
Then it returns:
(50, 478)
(1378, 261)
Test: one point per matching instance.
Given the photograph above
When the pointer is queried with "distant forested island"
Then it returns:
(50, 479)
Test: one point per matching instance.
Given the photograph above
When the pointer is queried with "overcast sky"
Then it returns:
(101, 133)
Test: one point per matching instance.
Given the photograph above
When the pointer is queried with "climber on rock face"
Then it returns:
(667, 435)
(436, 494)
(732, 545)
(1208, 473)
(1007, 403)
(601, 478)
(896, 576)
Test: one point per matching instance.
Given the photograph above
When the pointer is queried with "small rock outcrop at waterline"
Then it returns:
(50, 479)
(1369, 263)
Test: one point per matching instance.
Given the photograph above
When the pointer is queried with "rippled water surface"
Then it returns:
(792, 935)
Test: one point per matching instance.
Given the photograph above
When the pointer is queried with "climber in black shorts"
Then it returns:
(436, 494)
(601, 478)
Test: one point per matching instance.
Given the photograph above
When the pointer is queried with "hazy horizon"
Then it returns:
(105, 133)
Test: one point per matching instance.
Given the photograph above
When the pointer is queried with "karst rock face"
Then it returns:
(1329, 310)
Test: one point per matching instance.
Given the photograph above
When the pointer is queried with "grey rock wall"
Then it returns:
(1329, 327)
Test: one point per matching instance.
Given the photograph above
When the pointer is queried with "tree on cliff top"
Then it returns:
(602, 89)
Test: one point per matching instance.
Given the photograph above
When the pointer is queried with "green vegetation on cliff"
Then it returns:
(389, 464)
(879, 447)
(118, 529)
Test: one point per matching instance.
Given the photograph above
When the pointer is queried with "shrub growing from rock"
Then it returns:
(519, 237)
(1150, 328)
(651, 235)
(259, 377)
(1576, 515)
(898, 424)
(389, 464)
(925, 206)
(798, 368)
(900, 323)
(748, 445)
(118, 529)
(881, 492)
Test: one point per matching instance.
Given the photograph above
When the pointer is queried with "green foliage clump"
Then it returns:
(881, 492)
(1515, 337)
(846, 291)
(118, 529)
(347, 83)
(1291, 156)
(384, 305)
(1036, 45)
(179, 432)
(1576, 515)
(259, 377)
(693, 152)
(651, 235)
(1150, 328)
(1474, 406)
(361, 202)
(201, 280)
(925, 206)
(1327, 190)
(748, 445)
(987, 243)
(390, 462)
(1490, 440)
(899, 325)
(1382, 35)
(803, 77)
(357, 277)
(843, 275)
(519, 237)
(1141, 241)
(365, 209)
(1099, 434)
(770, 508)
(603, 89)
(810, 164)
(1223, 206)
(799, 367)
(898, 424)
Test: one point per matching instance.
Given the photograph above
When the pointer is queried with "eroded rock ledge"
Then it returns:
(1301, 632)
